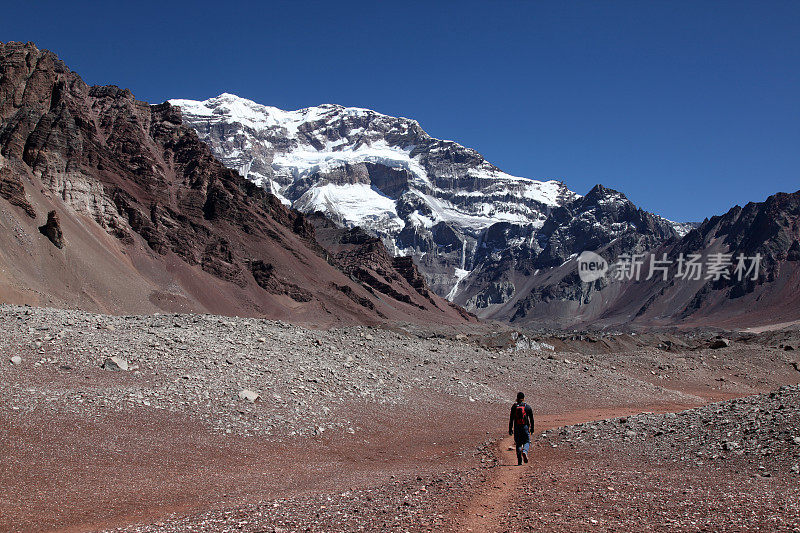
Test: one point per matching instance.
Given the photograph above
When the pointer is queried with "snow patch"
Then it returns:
(356, 204)
(459, 275)
(307, 160)
(421, 220)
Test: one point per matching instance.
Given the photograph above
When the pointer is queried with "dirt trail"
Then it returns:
(487, 510)
(484, 512)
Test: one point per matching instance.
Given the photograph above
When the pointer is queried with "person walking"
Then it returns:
(520, 424)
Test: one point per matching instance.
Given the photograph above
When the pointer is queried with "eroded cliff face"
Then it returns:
(97, 154)
(12, 187)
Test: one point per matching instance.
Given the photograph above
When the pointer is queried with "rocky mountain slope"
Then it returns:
(518, 264)
(770, 294)
(685, 288)
(113, 204)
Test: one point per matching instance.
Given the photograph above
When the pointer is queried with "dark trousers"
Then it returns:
(522, 439)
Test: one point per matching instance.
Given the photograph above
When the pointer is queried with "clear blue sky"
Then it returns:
(687, 107)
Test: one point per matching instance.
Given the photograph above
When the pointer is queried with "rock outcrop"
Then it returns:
(522, 272)
(52, 230)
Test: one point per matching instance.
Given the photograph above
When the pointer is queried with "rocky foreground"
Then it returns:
(729, 466)
(209, 423)
(253, 376)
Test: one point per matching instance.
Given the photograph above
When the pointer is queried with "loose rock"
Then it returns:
(115, 364)
(249, 395)
(720, 343)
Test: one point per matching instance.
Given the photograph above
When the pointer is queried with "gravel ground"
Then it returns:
(763, 431)
(729, 466)
(419, 504)
(200, 364)
(352, 428)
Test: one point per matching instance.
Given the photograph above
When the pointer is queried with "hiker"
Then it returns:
(520, 424)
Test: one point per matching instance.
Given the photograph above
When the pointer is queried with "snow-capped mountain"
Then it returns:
(430, 198)
(482, 238)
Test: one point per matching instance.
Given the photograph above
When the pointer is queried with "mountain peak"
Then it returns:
(599, 192)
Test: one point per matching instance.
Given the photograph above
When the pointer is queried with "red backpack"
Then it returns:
(520, 415)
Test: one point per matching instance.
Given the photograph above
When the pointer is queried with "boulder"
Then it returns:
(115, 364)
(16, 360)
(719, 343)
(249, 395)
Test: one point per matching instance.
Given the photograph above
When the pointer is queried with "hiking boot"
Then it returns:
(525, 456)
